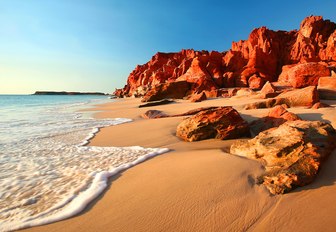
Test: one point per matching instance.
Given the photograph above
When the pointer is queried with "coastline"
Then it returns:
(196, 186)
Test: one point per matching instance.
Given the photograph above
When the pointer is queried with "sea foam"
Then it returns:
(47, 171)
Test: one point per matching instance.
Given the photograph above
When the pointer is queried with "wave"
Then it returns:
(47, 171)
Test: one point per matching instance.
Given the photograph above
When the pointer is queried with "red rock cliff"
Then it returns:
(248, 63)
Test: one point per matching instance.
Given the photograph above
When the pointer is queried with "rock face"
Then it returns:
(249, 63)
(276, 117)
(176, 89)
(298, 97)
(303, 75)
(327, 88)
(291, 153)
(220, 123)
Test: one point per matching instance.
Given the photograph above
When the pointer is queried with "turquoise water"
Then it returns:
(47, 173)
(26, 116)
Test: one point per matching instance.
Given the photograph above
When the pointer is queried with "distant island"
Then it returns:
(67, 93)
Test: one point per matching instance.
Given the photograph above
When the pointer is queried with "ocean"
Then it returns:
(47, 171)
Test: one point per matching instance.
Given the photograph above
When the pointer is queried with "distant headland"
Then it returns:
(67, 93)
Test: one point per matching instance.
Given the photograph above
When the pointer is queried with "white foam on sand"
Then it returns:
(54, 177)
(75, 204)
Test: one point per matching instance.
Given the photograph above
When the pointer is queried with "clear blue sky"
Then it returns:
(81, 45)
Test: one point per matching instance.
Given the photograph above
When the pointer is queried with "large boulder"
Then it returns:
(292, 153)
(176, 90)
(303, 75)
(276, 117)
(301, 97)
(327, 88)
(220, 123)
(298, 97)
(269, 103)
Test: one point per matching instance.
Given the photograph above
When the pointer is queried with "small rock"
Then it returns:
(150, 114)
(156, 103)
(268, 88)
(198, 97)
(319, 105)
(244, 92)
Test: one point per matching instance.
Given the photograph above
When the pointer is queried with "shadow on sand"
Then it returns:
(325, 177)
(313, 117)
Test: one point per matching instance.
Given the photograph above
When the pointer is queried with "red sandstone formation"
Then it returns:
(220, 123)
(177, 89)
(250, 63)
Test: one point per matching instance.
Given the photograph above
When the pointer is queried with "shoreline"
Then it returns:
(196, 186)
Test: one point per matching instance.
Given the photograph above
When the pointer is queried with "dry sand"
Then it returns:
(197, 186)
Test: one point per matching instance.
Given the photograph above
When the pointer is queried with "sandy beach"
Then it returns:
(198, 186)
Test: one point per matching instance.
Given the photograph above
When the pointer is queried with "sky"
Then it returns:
(82, 45)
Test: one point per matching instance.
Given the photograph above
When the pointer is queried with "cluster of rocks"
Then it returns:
(296, 58)
(290, 148)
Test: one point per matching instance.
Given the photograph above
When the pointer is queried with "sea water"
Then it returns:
(47, 171)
